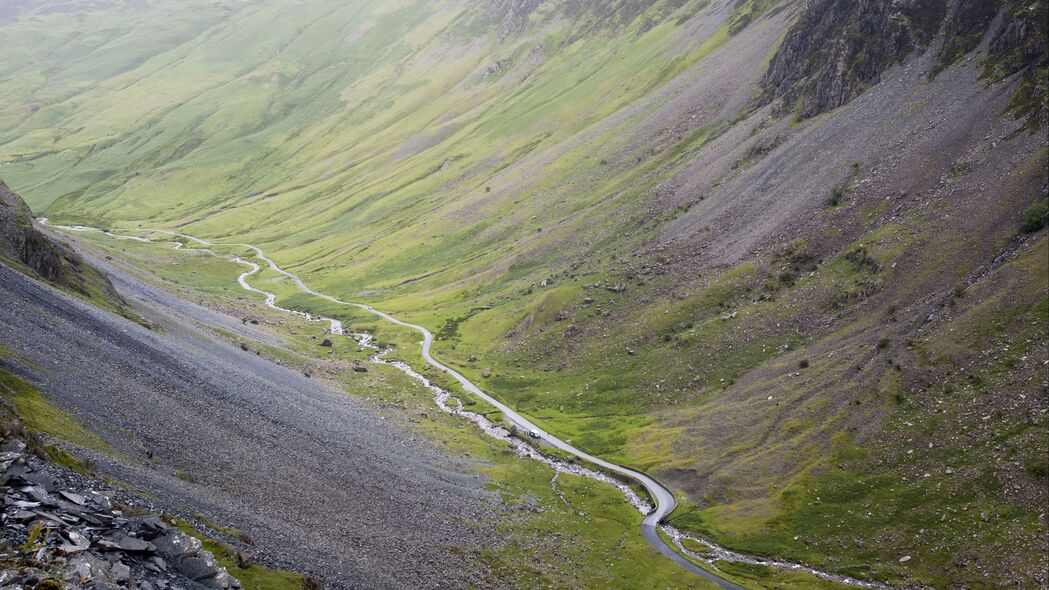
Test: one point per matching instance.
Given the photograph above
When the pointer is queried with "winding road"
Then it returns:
(663, 497)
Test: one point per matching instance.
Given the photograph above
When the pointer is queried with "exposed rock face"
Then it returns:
(965, 28)
(23, 242)
(838, 49)
(511, 15)
(1021, 44)
(1023, 35)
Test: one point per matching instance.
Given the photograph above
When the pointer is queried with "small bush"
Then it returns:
(884, 343)
(1036, 216)
(803, 364)
(862, 260)
(1038, 468)
(836, 195)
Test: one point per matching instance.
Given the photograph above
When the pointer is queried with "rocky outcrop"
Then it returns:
(509, 16)
(58, 534)
(23, 242)
(964, 28)
(838, 49)
(1021, 45)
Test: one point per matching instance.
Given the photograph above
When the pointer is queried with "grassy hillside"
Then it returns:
(674, 233)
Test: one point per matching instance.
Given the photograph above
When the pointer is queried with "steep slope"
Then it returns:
(227, 413)
(200, 425)
(23, 244)
(769, 251)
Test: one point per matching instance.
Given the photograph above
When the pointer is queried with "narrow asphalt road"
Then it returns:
(663, 498)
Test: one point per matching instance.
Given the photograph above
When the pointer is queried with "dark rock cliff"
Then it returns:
(22, 242)
(1021, 45)
(838, 49)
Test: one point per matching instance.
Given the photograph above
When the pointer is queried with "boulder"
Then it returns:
(77, 544)
(198, 567)
(127, 543)
(87, 544)
(244, 560)
(175, 546)
(120, 572)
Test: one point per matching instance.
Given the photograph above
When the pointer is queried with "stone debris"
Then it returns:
(60, 538)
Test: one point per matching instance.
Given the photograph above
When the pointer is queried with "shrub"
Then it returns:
(884, 343)
(861, 260)
(803, 364)
(836, 195)
(1038, 468)
(1036, 216)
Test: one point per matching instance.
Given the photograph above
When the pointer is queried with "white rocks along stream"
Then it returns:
(664, 499)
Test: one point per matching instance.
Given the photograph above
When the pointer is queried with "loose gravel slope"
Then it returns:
(318, 481)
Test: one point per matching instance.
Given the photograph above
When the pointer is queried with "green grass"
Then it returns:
(613, 420)
(254, 577)
(40, 415)
(870, 504)
(616, 426)
(578, 544)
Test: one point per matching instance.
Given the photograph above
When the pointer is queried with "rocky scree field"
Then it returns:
(199, 425)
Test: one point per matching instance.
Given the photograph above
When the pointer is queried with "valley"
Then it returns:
(187, 483)
(781, 264)
(663, 498)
